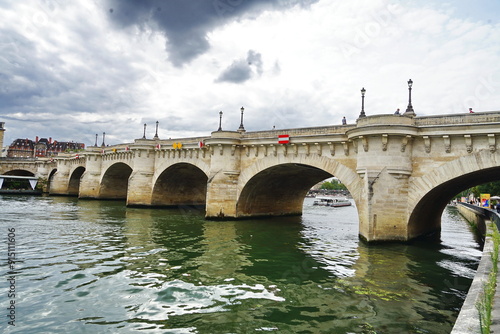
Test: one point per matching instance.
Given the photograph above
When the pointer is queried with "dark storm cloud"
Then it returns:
(241, 70)
(254, 59)
(14, 87)
(187, 22)
(43, 88)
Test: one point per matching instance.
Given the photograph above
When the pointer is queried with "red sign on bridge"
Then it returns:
(283, 139)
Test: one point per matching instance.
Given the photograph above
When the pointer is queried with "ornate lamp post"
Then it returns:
(103, 136)
(144, 136)
(156, 133)
(409, 110)
(220, 121)
(95, 140)
(362, 113)
(241, 128)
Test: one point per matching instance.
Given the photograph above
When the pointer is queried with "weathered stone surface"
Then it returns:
(401, 171)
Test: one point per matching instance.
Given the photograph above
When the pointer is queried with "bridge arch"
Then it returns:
(278, 186)
(50, 179)
(19, 172)
(180, 184)
(431, 193)
(74, 181)
(114, 182)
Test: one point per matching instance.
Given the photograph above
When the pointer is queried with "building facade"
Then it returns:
(40, 148)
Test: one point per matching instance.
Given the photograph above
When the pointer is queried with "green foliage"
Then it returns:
(492, 188)
(368, 329)
(333, 185)
(485, 304)
(327, 185)
(16, 184)
(42, 183)
(75, 150)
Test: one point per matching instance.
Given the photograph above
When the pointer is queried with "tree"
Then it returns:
(327, 185)
(492, 188)
(333, 185)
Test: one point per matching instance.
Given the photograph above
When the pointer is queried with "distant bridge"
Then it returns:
(401, 171)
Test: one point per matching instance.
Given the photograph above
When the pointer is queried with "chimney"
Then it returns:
(50, 140)
(36, 139)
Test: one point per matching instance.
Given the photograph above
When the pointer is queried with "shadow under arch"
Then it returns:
(278, 190)
(19, 172)
(50, 179)
(180, 184)
(74, 181)
(114, 182)
(426, 215)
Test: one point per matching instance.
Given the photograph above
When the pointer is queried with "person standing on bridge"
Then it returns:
(470, 111)
(397, 112)
(344, 121)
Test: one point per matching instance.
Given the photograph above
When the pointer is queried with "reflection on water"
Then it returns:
(98, 267)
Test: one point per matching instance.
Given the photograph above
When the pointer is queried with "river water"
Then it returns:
(99, 267)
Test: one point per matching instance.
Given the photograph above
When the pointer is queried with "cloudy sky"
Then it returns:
(70, 69)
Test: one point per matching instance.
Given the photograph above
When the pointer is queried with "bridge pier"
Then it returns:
(384, 163)
(383, 211)
(89, 184)
(60, 180)
(43, 171)
(139, 189)
(222, 185)
(140, 182)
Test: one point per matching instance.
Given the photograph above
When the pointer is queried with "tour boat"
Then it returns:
(331, 201)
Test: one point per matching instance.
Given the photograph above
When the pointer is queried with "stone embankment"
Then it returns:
(468, 321)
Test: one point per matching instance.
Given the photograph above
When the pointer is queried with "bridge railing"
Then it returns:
(317, 130)
(454, 119)
(485, 212)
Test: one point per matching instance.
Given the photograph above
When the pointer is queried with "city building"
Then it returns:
(40, 148)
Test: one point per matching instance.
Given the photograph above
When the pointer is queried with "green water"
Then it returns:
(99, 267)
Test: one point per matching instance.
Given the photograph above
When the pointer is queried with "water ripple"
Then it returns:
(98, 267)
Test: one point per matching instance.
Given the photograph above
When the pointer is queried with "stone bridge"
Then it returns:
(401, 171)
(26, 167)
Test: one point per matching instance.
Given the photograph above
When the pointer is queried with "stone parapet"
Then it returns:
(311, 131)
(385, 120)
(454, 119)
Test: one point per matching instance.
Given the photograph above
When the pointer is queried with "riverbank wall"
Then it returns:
(468, 319)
